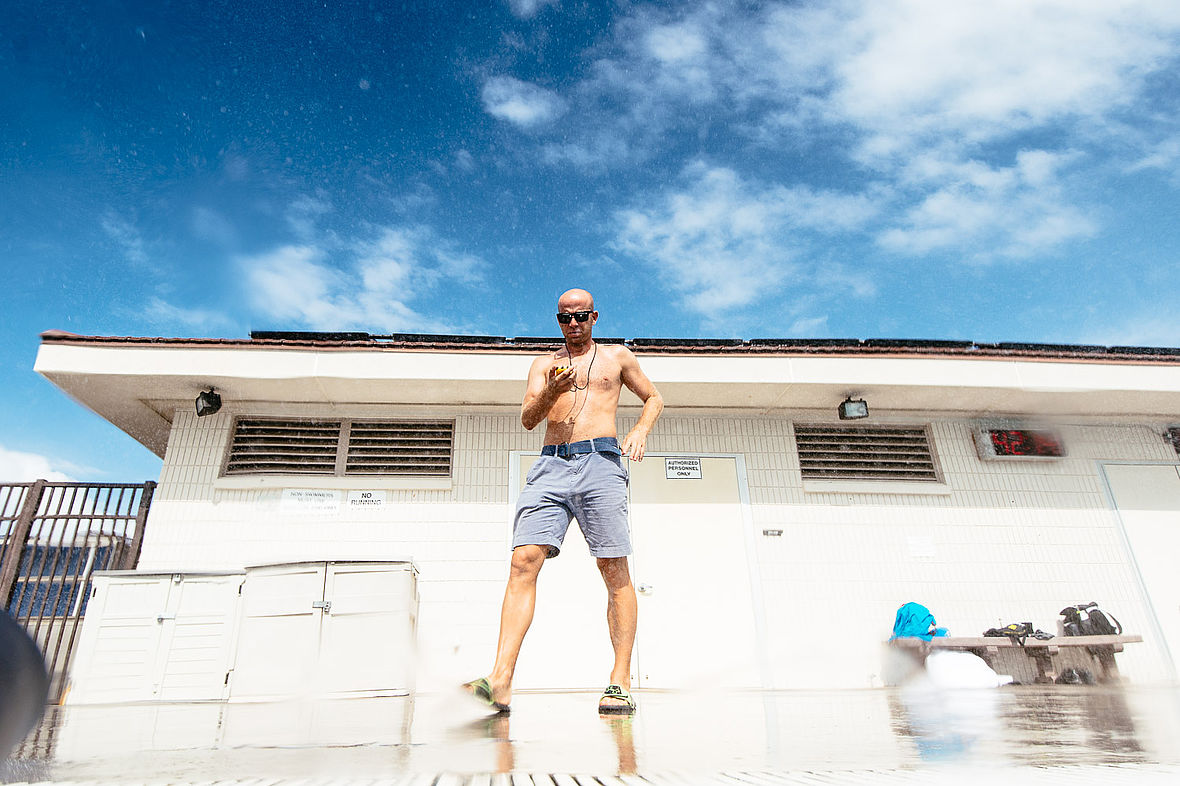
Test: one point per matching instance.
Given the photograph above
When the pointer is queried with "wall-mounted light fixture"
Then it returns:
(208, 403)
(853, 410)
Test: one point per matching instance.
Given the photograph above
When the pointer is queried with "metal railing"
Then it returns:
(53, 536)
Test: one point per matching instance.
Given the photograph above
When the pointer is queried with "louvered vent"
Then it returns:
(865, 453)
(400, 448)
(283, 447)
(311, 447)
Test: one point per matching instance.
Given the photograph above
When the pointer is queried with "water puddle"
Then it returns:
(891, 729)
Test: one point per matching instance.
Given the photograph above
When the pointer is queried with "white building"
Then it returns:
(774, 541)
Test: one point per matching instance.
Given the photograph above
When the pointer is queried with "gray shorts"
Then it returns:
(591, 487)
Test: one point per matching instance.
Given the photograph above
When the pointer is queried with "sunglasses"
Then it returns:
(581, 316)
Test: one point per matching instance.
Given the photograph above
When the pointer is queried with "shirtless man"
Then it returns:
(581, 474)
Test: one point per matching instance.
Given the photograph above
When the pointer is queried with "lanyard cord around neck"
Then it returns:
(571, 415)
(589, 368)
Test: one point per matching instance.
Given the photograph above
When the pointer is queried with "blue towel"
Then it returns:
(915, 621)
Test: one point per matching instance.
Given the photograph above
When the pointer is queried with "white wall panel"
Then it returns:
(1007, 541)
(1000, 542)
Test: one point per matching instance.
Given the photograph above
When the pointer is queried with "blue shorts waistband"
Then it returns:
(596, 445)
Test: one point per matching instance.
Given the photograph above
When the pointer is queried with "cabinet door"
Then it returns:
(119, 650)
(197, 636)
(367, 637)
(279, 631)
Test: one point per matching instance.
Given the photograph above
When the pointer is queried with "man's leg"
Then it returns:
(622, 614)
(520, 598)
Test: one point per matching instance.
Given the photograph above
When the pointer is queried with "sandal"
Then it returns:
(481, 690)
(616, 692)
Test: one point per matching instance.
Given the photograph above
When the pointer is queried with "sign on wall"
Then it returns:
(366, 500)
(682, 468)
(310, 501)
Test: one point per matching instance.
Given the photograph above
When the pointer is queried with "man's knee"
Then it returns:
(527, 561)
(614, 571)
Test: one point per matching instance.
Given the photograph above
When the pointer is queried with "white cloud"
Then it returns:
(899, 73)
(521, 103)
(883, 85)
(126, 235)
(168, 316)
(1163, 155)
(369, 285)
(724, 243)
(685, 62)
(235, 167)
(208, 224)
(676, 43)
(896, 76)
(808, 327)
(292, 284)
(304, 213)
(604, 148)
(527, 9)
(989, 212)
(837, 278)
(1153, 330)
(417, 197)
(464, 160)
(17, 466)
(913, 70)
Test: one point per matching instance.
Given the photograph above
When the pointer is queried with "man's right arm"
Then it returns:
(545, 386)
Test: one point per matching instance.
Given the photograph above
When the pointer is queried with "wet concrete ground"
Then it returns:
(1083, 734)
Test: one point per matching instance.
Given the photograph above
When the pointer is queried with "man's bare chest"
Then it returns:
(597, 379)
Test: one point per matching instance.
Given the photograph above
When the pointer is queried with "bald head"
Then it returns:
(575, 300)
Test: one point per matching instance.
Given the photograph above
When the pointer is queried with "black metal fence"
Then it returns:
(53, 536)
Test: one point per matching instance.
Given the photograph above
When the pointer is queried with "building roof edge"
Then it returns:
(785, 347)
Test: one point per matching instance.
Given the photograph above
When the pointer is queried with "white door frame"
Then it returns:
(1140, 584)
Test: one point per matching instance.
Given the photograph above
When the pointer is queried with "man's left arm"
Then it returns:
(653, 404)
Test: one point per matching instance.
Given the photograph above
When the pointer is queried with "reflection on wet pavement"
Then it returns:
(757, 731)
(1033, 726)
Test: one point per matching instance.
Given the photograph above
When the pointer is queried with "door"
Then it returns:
(367, 639)
(198, 636)
(156, 637)
(119, 648)
(1148, 500)
(316, 629)
(567, 646)
(279, 631)
(692, 573)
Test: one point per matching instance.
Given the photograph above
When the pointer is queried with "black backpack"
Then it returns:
(1086, 619)
(1017, 631)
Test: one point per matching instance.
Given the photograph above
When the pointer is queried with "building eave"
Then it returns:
(137, 383)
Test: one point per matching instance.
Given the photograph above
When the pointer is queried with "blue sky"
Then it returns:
(1000, 171)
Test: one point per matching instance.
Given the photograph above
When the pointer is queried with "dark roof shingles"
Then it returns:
(679, 346)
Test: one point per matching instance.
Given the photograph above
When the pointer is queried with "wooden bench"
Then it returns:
(1101, 650)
